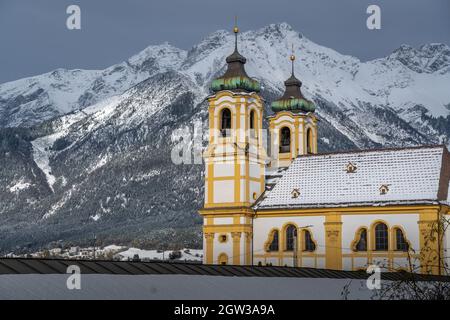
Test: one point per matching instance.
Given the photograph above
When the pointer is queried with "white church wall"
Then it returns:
(223, 220)
(223, 191)
(224, 148)
(223, 99)
(355, 263)
(351, 223)
(242, 190)
(242, 249)
(300, 137)
(255, 170)
(223, 169)
(263, 225)
(308, 262)
(223, 247)
(267, 261)
(283, 119)
(242, 169)
(305, 262)
(255, 187)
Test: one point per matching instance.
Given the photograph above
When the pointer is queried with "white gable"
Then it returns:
(408, 175)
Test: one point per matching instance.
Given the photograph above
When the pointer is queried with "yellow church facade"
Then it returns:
(298, 207)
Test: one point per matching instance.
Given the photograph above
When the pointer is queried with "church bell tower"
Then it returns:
(293, 126)
(235, 164)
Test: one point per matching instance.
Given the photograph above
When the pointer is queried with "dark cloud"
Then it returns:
(34, 38)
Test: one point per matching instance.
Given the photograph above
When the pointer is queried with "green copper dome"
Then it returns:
(235, 78)
(293, 99)
(233, 83)
(293, 104)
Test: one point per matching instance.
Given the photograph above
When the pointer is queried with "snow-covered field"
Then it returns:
(186, 254)
(120, 253)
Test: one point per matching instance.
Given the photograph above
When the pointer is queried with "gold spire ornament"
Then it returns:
(292, 58)
(235, 29)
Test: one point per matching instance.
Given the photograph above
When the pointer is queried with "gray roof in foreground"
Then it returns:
(177, 287)
(11, 266)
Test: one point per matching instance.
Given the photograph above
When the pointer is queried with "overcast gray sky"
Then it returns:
(34, 38)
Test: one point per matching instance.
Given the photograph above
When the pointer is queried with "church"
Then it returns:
(297, 207)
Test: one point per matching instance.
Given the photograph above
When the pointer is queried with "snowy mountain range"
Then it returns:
(88, 151)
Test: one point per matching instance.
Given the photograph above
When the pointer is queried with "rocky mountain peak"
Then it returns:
(165, 53)
(427, 58)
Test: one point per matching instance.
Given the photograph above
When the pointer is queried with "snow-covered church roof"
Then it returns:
(370, 177)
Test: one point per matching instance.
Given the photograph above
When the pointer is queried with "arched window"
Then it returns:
(361, 245)
(291, 236)
(225, 126)
(381, 237)
(285, 140)
(400, 241)
(308, 243)
(223, 258)
(274, 244)
(252, 123)
(309, 149)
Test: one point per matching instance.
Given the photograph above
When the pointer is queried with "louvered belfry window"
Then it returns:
(285, 141)
(226, 122)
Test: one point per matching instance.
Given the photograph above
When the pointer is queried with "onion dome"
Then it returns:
(293, 99)
(235, 78)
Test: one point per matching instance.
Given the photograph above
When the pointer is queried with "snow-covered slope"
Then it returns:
(32, 100)
(102, 164)
(411, 83)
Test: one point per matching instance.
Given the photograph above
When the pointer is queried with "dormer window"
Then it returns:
(295, 193)
(351, 168)
(384, 189)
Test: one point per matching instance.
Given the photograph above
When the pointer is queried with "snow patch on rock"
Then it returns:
(20, 185)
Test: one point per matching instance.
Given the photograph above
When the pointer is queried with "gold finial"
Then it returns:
(236, 31)
(292, 58)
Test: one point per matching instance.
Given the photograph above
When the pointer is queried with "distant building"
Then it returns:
(74, 251)
(55, 251)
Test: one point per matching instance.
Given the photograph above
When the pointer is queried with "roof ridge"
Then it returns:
(431, 146)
